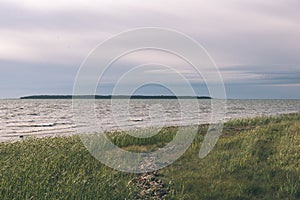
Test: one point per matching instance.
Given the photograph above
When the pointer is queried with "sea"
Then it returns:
(20, 118)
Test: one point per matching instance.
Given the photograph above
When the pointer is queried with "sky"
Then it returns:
(255, 44)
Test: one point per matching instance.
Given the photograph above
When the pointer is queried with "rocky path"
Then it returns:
(148, 186)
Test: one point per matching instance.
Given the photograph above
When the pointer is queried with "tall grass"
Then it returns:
(261, 162)
(56, 168)
(255, 158)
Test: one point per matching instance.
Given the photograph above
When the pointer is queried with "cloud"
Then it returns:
(234, 32)
(253, 42)
(262, 75)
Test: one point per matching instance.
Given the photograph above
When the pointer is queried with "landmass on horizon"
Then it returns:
(113, 96)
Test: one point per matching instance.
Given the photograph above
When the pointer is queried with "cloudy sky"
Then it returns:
(254, 43)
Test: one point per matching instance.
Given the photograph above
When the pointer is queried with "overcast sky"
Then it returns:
(254, 43)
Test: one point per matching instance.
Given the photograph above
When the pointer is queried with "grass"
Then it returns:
(257, 158)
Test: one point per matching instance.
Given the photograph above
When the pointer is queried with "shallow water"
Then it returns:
(55, 117)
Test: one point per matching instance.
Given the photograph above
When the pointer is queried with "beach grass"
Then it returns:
(255, 158)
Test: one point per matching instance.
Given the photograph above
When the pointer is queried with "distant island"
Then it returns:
(113, 97)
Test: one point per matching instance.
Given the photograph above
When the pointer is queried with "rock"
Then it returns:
(149, 186)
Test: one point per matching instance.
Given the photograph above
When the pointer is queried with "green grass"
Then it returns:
(256, 158)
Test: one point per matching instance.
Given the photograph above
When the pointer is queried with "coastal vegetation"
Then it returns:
(113, 97)
(255, 158)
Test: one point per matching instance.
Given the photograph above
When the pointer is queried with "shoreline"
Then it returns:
(18, 137)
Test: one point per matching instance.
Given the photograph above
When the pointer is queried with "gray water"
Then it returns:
(22, 118)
